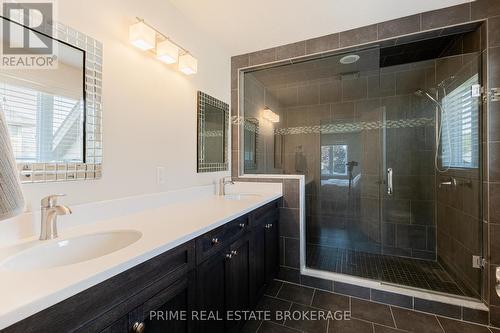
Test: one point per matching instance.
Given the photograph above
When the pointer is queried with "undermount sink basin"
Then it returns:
(241, 196)
(49, 254)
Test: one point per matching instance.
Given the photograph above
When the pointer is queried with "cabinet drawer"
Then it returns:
(218, 239)
(176, 299)
(209, 244)
(267, 214)
(236, 228)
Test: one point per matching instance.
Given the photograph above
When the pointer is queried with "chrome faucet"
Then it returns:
(222, 184)
(50, 211)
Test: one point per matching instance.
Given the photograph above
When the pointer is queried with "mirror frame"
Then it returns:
(202, 102)
(91, 168)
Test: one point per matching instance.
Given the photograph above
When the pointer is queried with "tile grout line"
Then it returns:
(258, 328)
(393, 318)
(283, 325)
(277, 293)
(439, 322)
(312, 298)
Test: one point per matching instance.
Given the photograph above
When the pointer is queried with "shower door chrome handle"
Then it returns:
(390, 189)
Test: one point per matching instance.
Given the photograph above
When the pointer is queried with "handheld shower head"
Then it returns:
(440, 120)
(419, 92)
(424, 93)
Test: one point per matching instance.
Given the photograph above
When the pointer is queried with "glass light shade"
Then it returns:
(142, 36)
(167, 52)
(188, 64)
(271, 116)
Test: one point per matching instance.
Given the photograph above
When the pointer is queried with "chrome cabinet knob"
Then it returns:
(138, 327)
(234, 253)
(268, 226)
(229, 256)
(215, 241)
(242, 225)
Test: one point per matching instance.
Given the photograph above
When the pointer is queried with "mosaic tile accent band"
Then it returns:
(355, 127)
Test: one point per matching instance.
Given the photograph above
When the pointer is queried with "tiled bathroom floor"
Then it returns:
(410, 272)
(366, 316)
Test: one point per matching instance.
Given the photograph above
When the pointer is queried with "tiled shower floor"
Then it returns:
(410, 272)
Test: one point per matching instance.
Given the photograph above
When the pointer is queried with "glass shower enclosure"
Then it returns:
(388, 139)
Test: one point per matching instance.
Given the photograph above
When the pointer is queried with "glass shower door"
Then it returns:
(343, 196)
(430, 221)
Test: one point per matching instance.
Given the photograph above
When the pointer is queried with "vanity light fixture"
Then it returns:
(142, 36)
(188, 64)
(270, 115)
(147, 38)
(167, 52)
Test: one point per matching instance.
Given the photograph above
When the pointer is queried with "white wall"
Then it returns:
(149, 109)
(259, 24)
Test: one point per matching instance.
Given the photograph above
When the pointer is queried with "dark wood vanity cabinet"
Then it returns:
(266, 248)
(202, 282)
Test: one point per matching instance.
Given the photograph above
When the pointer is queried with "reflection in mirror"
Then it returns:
(278, 151)
(45, 108)
(213, 118)
(251, 134)
(214, 134)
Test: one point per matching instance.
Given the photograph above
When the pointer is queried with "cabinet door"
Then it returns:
(168, 311)
(238, 283)
(120, 326)
(211, 293)
(272, 249)
(259, 261)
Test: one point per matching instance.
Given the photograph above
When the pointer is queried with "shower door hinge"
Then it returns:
(478, 262)
(494, 94)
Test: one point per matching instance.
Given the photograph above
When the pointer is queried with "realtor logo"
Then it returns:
(26, 34)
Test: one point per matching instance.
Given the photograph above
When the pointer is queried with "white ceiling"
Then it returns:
(242, 26)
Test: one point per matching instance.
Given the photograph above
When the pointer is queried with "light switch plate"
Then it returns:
(160, 175)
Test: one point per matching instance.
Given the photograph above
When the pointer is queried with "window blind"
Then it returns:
(460, 133)
(43, 127)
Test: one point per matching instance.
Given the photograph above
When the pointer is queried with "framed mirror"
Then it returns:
(213, 126)
(54, 114)
(251, 137)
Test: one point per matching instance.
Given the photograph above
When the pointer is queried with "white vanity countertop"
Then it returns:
(163, 227)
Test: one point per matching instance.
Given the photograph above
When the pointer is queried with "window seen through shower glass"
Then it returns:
(334, 160)
(460, 137)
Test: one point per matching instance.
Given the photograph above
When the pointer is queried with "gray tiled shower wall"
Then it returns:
(487, 10)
